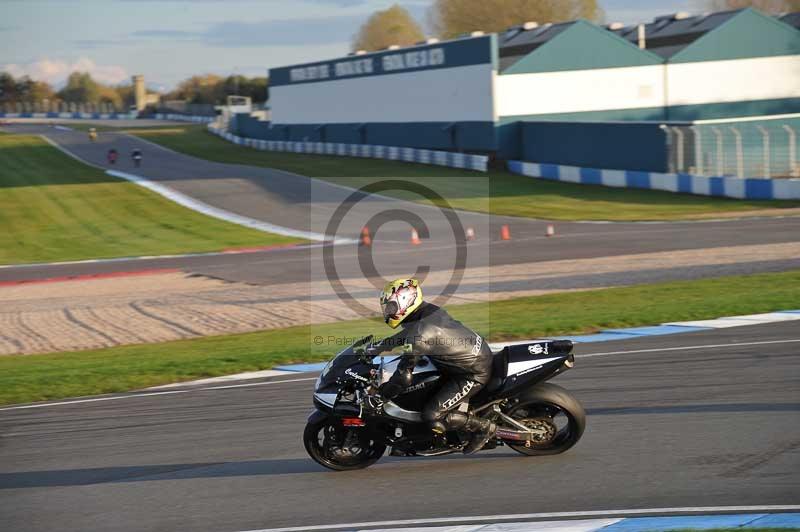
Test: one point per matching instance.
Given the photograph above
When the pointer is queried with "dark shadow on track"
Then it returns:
(144, 473)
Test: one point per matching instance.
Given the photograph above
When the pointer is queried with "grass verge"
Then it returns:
(26, 378)
(54, 208)
(497, 191)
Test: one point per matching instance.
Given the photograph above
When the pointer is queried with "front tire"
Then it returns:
(556, 413)
(339, 448)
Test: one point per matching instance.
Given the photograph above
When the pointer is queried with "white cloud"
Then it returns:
(55, 71)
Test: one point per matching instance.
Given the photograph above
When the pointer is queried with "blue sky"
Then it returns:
(170, 40)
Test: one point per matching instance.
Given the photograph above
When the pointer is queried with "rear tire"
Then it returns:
(320, 440)
(549, 405)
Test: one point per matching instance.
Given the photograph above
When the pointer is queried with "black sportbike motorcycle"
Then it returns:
(352, 426)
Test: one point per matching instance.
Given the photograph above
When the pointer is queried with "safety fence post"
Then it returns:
(739, 155)
(765, 144)
(794, 170)
(670, 149)
(720, 155)
(698, 151)
(679, 136)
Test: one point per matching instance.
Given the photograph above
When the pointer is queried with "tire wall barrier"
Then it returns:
(185, 118)
(723, 186)
(95, 116)
(394, 153)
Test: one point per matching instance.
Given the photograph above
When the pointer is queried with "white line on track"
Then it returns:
(709, 346)
(149, 394)
(263, 383)
(566, 515)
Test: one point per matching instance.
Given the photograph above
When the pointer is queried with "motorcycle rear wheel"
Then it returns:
(549, 406)
(319, 439)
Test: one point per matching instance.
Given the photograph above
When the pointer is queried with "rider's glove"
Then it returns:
(373, 403)
(399, 381)
(362, 350)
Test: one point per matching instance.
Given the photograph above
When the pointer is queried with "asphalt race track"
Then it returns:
(709, 426)
(289, 200)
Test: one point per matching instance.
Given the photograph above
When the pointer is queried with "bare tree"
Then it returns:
(384, 28)
(768, 6)
(451, 18)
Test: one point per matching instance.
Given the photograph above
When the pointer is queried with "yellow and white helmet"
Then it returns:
(399, 299)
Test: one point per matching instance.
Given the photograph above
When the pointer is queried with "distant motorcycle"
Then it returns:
(92, 134)
(136, 155)
(352, 426)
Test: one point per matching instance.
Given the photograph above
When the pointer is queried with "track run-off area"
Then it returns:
(240, 291)
(711, 413)
(301, 203)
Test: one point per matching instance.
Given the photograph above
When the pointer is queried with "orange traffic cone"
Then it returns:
(470, 233)
(505, 232)
(415, 237)
(366, 240)
(551, 230)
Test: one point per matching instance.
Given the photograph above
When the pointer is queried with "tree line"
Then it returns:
(451, 18)
(392, 26)
(213, 89)
(80, 88)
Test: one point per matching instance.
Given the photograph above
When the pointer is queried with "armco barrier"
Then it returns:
(414, 155)
(725, 186)
(185, 118)
(95, 116)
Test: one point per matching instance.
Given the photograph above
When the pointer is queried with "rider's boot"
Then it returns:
(482, 431)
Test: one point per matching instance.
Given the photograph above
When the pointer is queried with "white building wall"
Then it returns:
(445, 94)
(706, 82)
(735, 80)
(580, 90)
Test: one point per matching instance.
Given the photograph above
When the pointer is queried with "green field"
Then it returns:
(53, 208)
(497, 191)
(25, 378)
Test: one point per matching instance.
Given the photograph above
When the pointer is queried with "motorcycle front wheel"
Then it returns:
(340, 448)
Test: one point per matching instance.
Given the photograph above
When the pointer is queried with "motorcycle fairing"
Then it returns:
(394, 410)
(515, 366)
(525, 364)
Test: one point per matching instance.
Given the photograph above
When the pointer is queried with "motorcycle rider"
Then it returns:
(462, 356)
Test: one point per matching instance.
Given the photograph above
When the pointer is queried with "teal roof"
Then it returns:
(748, 34)
(581, 46)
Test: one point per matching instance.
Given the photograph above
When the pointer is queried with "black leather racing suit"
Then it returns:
(462, 356)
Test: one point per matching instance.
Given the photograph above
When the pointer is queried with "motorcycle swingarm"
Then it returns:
(516, 435)
(522, 433)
